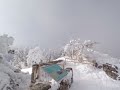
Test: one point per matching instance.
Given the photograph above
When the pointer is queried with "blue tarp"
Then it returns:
(55, 71)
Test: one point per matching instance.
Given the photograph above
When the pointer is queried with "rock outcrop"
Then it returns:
(109, 69)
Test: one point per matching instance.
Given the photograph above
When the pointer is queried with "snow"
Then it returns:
(89, 78)
(27, 70)
(35, 56)
(11, 80)
(54, 85)
(5, 42)
(86, 77)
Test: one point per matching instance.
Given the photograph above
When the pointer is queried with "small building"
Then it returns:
(46, 72)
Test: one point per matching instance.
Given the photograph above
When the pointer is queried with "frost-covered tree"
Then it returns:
(52, 54)
(20, 57)
(73, 48)
(5, 43)
(35, 56)
(47, 54)
(58, 53)
(89, 44)
(76, 49)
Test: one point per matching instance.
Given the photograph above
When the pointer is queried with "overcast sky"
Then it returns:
(52, 23)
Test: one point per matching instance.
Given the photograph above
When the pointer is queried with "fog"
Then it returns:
(52, 23)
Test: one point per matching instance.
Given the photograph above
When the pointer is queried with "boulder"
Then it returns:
(111, 71)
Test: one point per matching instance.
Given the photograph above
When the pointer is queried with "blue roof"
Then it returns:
(55, 71)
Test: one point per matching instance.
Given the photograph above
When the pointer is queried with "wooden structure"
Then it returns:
(43, 73)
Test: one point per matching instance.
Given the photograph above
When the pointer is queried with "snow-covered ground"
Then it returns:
(86, 77)
(28, 70)
(89, 78)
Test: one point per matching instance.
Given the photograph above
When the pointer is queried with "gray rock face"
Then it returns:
(111, 71)
(64, 85)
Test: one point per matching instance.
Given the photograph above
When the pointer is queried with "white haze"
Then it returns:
(51, 23)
